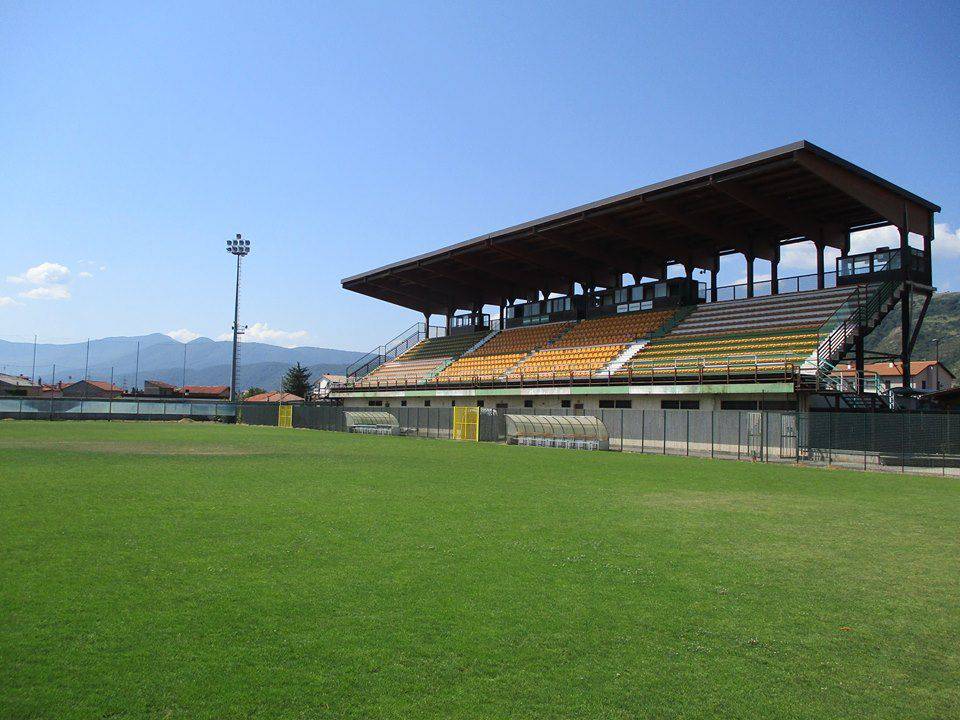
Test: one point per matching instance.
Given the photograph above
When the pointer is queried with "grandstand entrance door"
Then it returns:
(788, 436)
(755, 435)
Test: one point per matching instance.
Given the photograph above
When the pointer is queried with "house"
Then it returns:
(325, 383)
(275, 397)
(18, 385)
(927, 375)
(205, 392)
(91, 389)
(158, 388)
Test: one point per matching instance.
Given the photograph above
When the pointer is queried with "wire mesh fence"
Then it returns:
(902, 442)
(30, 408)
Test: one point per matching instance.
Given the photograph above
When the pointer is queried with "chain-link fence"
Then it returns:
(902, 442)
(29, 408)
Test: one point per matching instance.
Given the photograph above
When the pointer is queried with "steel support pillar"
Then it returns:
(426, 324)
(905, 308)
(713, 284)
(820, 272)
(774, 267)
(858, 350)
(749, 257)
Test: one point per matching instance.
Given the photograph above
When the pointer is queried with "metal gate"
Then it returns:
(788, 436)
(466, 423)
(755, 435)
(285, 416)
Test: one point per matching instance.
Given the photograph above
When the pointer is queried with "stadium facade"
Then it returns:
(568, 331)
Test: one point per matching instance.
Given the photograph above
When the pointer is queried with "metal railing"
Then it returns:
(393, 348)
(785, 286)
(686, 371)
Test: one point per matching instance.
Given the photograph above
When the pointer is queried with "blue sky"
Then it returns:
(338, 137)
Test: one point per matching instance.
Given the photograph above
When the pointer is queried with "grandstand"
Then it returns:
(567, 329)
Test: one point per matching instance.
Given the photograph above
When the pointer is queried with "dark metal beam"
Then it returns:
(884, 202)
(715, 231)
(782, 212)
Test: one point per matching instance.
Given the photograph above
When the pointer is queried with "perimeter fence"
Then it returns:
(28, 408)
(901, 442)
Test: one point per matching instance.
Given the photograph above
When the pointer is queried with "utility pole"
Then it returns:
(183, 378)
(136, 372)
(33, 369)
(86, 363)
(240, 248)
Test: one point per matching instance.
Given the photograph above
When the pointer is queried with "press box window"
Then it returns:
(621, 404)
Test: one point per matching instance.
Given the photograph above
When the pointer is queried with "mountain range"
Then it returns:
(162, 358)
(942, 322)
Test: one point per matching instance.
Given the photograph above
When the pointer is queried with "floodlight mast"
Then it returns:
(240, 248)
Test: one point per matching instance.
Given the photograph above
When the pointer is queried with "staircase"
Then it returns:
(388, 351)
(623, 358)
(856, 318)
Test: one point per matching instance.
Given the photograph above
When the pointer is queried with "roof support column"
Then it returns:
(905, 306)
(774, 268)
(820, 248)
(750, 258)
(858, 350)
(845, 250)
(927, 249)
(426, 324)
(713, 280)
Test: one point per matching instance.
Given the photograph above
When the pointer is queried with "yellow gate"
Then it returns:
(466, 423)
(285, 416)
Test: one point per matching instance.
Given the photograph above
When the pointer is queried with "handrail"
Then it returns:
(731, 368)
(378, 354)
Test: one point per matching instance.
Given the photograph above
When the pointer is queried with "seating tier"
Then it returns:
(568, 361)
(479, 367)
(399, 372)
(613, 330)
(442, 347)
(521, 340)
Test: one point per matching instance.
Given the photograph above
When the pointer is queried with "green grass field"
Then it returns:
(206, 571)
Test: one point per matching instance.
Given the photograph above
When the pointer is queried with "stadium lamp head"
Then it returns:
(238, 246)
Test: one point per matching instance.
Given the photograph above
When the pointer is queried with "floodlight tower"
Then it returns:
(240, 248)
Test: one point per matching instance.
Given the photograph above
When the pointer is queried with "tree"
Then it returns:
(250, 392)
(296, 381)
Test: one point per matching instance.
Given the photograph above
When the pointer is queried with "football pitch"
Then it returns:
(163, 570)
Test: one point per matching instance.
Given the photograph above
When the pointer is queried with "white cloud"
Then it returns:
(6, 301)
(261, 332)
(47, 273)
(757, 278)
(85, 274)
(47, 292)
(103, 268)
(183, 335)
(946, 242)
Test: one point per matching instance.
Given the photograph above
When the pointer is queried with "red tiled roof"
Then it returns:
(160, 384)
(891, 369)
(274, 397)
(102, 385)
(205, 389)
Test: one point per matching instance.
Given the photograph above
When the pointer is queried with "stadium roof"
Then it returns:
(752, 205)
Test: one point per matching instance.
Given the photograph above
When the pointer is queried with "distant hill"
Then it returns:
(942, 321)
(162, 357)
